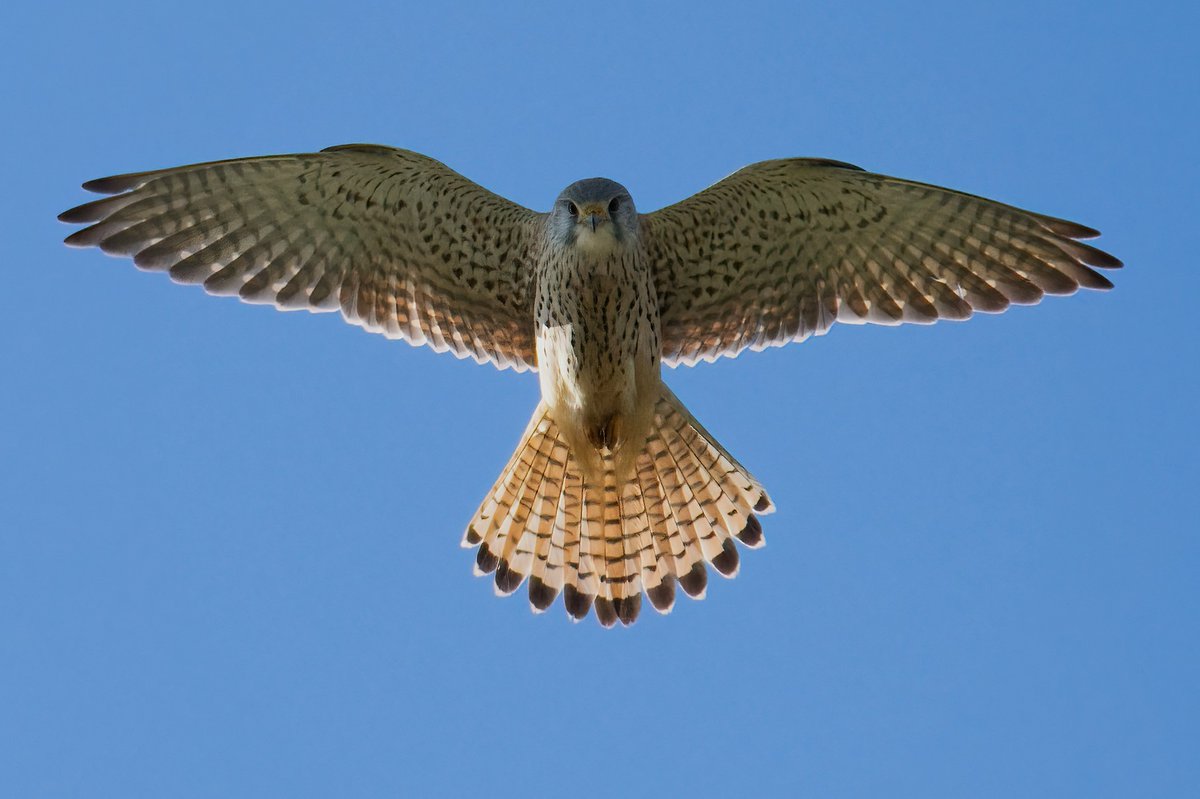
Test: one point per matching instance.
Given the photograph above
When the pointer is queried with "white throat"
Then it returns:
(599, 242)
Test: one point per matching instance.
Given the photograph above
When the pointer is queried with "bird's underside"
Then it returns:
(615, 489)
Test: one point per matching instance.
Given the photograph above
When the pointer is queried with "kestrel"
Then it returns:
(614, 489)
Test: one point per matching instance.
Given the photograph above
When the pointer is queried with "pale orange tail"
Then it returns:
(604, 543)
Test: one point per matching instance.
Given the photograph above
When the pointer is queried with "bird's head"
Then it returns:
(596, 214)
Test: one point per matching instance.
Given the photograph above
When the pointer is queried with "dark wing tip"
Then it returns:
(94, 210)
(1095, 280)
(1093, 256)
(77, 215)
(1065, 227)
(82, 238)
(114, 184)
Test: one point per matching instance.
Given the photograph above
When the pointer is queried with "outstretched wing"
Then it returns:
(781, 250)
(399, 243)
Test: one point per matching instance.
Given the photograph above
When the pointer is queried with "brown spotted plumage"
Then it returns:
(615, 490)
(397, 242)
(781, 250)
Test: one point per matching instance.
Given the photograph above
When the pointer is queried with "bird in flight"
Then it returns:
(614, 490)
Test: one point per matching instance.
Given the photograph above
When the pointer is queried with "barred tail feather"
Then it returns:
(605, 541)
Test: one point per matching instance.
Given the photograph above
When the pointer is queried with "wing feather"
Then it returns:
(780, 250)
(397, 242)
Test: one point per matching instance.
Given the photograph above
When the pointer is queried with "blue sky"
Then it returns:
(230, 536)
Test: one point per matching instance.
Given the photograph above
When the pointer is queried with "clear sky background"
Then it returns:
(229, 560)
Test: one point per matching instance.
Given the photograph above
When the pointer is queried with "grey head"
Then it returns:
(596, 212)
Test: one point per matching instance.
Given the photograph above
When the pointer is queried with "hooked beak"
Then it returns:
(593, 214)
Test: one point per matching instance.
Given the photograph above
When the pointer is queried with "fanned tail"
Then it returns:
(602, 542)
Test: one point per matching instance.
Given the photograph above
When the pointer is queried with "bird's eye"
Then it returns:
(613, 205)
(572, 208)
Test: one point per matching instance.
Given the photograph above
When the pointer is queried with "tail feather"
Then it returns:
(668, 548)
(688, 555)
(517, 534)
(622, 573)
(546, 570)
(681, 505)
(505, 515)
(496, 504)
(714, 491)
(640, 541)
(602, 543)
(715, 508)
(626, 576)
(700, 521)
(578, 590)
(594, 553)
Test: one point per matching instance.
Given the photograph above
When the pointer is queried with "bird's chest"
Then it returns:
(598, 329)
